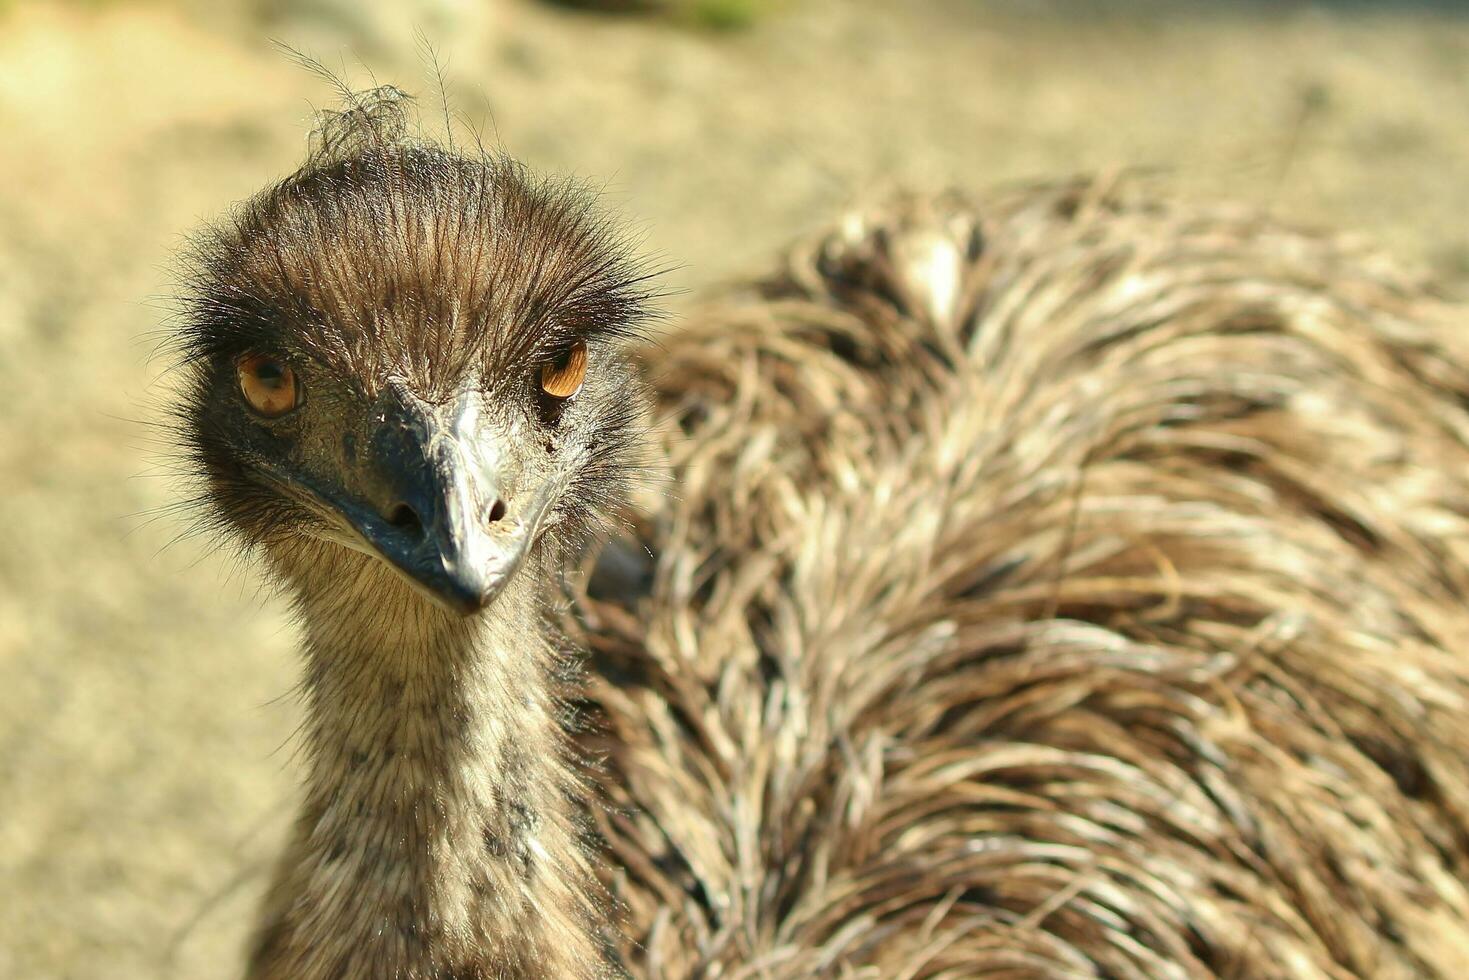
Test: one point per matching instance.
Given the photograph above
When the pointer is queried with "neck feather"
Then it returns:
(436, 838)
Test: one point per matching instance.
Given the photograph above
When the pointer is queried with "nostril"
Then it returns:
(406, 518)
(497, 511)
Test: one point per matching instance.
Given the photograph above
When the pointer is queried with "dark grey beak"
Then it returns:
(450, 510)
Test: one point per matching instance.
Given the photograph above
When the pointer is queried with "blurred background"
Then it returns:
(146, 704)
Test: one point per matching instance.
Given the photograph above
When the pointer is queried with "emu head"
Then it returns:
(417, 356)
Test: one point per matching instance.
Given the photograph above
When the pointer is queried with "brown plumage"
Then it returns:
(1068, 584)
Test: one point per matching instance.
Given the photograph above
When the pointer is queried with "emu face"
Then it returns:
(417, 356)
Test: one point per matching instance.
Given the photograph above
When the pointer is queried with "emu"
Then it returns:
(1067, 585)
(409, 395)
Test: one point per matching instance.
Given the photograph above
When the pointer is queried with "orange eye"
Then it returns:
(563, 377)
(268, 384)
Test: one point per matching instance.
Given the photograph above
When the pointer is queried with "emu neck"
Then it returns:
(435, 838)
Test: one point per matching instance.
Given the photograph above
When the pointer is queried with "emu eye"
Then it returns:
(268, 384)
(561, 378)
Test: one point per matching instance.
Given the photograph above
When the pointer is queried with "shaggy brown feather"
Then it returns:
(1068, 585)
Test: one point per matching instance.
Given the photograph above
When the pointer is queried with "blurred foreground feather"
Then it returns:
(1067, 585)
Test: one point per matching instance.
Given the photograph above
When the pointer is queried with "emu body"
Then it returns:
(1065, 584)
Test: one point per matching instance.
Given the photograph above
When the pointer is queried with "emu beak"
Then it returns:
(445, 516)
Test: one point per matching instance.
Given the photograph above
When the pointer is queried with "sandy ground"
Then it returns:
(146, 770)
